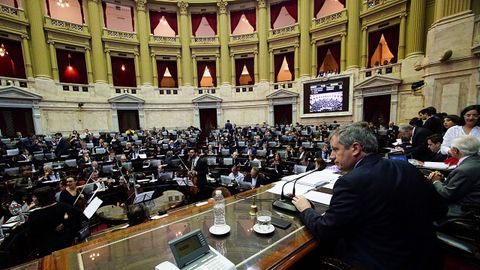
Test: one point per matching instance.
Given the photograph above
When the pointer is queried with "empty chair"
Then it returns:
(107, 168)
(299, 169)
(100, 151)
(90, 145)
(72, 163)
(225, 152)
(12, 152)
(255, 163)
(261, 153)
(227, 161)
(15, 171)
(212, 161)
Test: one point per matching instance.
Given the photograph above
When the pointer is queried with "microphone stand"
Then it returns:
(285, 203)
(81, 191)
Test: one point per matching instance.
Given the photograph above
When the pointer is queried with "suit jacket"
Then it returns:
(380, 216)
(438, 157)
(261, 180)
(419, 148)
(62, 148)
(202, 170)
(434, 124)
(463, 183)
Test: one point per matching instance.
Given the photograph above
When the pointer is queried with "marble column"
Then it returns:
(343, 52)
(53, 60)
(363, 61)
(353, 33)
(305, 19)
(95, 26)
(401, 38)
(154, 70)
(185, 43)
(27, 57)
(224, 36)
(41, 62)
(88, 63)
(109, 67)
(143, 37)
(137, 68)
(314, 70)
(416, 27)
(262, 29)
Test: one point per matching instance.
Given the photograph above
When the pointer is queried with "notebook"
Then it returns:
(191, 251)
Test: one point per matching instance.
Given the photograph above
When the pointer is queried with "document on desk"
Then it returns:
(308, 191)
(92, 207)
(320, 197)
(438, 166)
(314, 179)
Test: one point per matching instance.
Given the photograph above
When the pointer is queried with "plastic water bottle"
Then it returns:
(219, 209)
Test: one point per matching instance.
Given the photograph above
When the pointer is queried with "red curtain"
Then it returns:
(373, 40)
(391, 35)
(292, 8)
(196, 19)
(81, 10)
(238, 70)
(322, 52)
(291, 63)
(11, 64)
(201, 69)
(47, 2)
(172, 67)
(235, 19)
(155, 17)
(277, 63)
(317, 5)
(274, 12)
(73, 70)
(133, 18)
(335, 50)
(213, 71)
(15, 4)
(251, 70)
(212, 21)
(123, 77)
(251, 17)
(104, 7)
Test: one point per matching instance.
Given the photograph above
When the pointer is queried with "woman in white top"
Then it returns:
(469, 117)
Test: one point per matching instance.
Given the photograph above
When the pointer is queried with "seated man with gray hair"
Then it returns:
(462, 185)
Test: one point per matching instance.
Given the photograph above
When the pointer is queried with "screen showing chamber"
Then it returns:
(327, 96)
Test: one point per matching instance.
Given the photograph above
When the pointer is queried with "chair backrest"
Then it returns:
(225, 152)
(100, 151)
(272, 143)
(12, 171)
(71, 163)
(13, 152)
(90, 145)
(155, 162)
(306, 144)
(107, 168)
(227, 161)
(127, 165)
(212, 161)
(261, 153)
(225, 179)
(241, 143)
(282, 154)
(299, 169)
(138, 142)
(255, 163)
(90, 188)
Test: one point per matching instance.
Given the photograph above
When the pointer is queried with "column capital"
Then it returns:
(94, 1)
(194, 56)
(87, 48)
(403, 15)
(51, 42)
(183, 5)
(135, 53)
(364, 28)
(222, 6)
(107, 50)
(141, 5)
(343, 34)
(262, 3)
(255, 52)
(313, 42)
(25, 36)
(153, 54)
(179, 56)
(296, 46)
(217, 55)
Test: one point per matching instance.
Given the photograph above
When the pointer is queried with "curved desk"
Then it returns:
(146, 245)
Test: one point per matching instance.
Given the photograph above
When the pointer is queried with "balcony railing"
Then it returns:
(165, 40)
(71, 87)
(204, 40)
(63, 25)
(281, 85)
(337, 16)
(206, 90)
(243, 89)
(392, 70)
(112, 34)
(283, 31)
(7, 81)
(9, 11)
(244, 37)
(126, 90)
(168, 91)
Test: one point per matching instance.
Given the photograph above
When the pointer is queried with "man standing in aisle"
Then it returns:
(381, 212)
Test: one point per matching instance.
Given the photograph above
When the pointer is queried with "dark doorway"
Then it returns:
(128, 119)
(282, 114)
(376, 109)
(208, 121)
(16, 119)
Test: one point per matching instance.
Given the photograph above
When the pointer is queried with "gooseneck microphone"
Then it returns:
(285, 203)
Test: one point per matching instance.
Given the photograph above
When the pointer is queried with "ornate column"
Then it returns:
(296, 60)
(27, 57)
(272, 64)
(95, 26)
(41, 63)
(88, 63)
(143, 36)
(343, 52)
(439, 9)
(109, 67)
(194, 64)
(416, 27)
(154, 70)
(224, 35)
(353, 33)
(363, 61)
(179, 68)
(185, 43)
(255, 66)
(137, 68)
(314, 70)
(217, 63)
(234, 70)
(401, 38)
(305, 19)
(53, 60)
(262, 29)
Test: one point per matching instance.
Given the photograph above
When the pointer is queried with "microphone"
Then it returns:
(285, 203)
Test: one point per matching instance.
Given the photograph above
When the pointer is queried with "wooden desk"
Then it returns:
(146, 245)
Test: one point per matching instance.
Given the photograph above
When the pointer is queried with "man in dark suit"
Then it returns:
(418, 142)
(199, 171)
(62, 145)
(432, 122)
(434, 143)
(254, 179)
(462, 185)
(381, 212)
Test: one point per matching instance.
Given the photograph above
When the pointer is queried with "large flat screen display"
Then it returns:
(326, 96)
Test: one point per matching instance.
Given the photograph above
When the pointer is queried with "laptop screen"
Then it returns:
(189, 247)
(398, 157)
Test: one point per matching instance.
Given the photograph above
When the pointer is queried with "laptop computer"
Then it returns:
(191, 251)
(402, 157)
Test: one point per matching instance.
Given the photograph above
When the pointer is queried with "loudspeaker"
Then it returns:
(418, 85)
